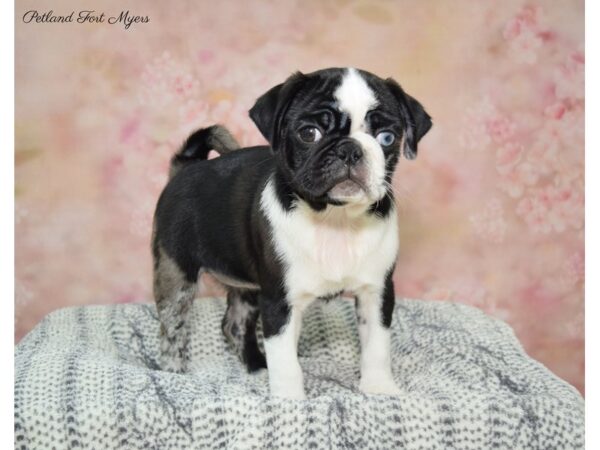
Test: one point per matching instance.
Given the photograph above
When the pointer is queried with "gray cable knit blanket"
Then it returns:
(88, 377)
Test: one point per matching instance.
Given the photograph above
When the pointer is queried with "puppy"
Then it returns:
(310, 217)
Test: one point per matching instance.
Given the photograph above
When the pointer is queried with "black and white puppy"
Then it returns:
(309, 218)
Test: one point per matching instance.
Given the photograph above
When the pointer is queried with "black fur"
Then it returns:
(389, 299)
(416, 121)
(208, 200)
(200, 143)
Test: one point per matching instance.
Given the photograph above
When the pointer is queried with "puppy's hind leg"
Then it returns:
(173, 293)
(239, 327)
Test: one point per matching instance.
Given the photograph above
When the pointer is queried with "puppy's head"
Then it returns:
(337, 133)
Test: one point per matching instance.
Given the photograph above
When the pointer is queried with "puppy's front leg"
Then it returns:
(374, 312)
(281, 326)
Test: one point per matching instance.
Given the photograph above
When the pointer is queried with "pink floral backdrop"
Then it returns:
(491, 211)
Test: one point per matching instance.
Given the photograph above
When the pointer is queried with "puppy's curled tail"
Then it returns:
(200, 142)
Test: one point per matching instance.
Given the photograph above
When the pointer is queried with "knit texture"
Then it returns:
(89, 377)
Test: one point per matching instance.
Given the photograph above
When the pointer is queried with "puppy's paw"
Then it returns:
(286, 380)
(379, 383)
(288, 391)
(255, 361)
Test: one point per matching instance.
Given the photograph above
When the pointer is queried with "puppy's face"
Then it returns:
(338, 133)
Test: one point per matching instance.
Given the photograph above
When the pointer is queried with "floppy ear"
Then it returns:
(416, 121)
(270, 108)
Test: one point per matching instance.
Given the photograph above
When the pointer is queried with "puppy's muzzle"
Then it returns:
(352, 175)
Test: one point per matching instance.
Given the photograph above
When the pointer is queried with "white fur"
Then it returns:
(375, 162)
(356, 98)
(285, 374)
(340, 248)
(376, 365)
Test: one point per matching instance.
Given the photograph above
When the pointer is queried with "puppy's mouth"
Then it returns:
(348, 188)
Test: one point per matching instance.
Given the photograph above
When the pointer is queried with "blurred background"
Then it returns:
(491, 212)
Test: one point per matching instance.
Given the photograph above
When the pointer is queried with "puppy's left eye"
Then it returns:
(386, 138)
(310, 134)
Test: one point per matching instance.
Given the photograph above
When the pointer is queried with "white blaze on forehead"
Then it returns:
(355, 97)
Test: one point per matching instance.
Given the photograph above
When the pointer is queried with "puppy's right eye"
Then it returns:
(310, 134)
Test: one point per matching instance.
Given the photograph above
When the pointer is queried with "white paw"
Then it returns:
(379, 383)
(288, 384)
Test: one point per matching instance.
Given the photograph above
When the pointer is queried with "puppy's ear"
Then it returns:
(269, 110)
(416, 121)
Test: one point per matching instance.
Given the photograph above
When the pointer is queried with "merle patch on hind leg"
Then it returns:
(173, 294)
(239, 327)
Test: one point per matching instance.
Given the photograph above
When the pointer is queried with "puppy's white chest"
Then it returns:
(332, 251)
(332, 255)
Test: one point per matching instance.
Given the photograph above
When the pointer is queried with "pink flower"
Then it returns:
(483, 124)
(525, 35)
(165, 81)
(511, 184)
(544, 153)
(573, 269)
(129, 129)
(205, 56)
(515, 181)
(552, 208)
(534, 214)
(556, 110)
(526, 18)
(500, 128)
(538, 296)
(489, 223)
(528, 173)
(569, 77)
(508, 156)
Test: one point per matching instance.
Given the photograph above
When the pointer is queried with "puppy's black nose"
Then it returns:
(350, 153)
